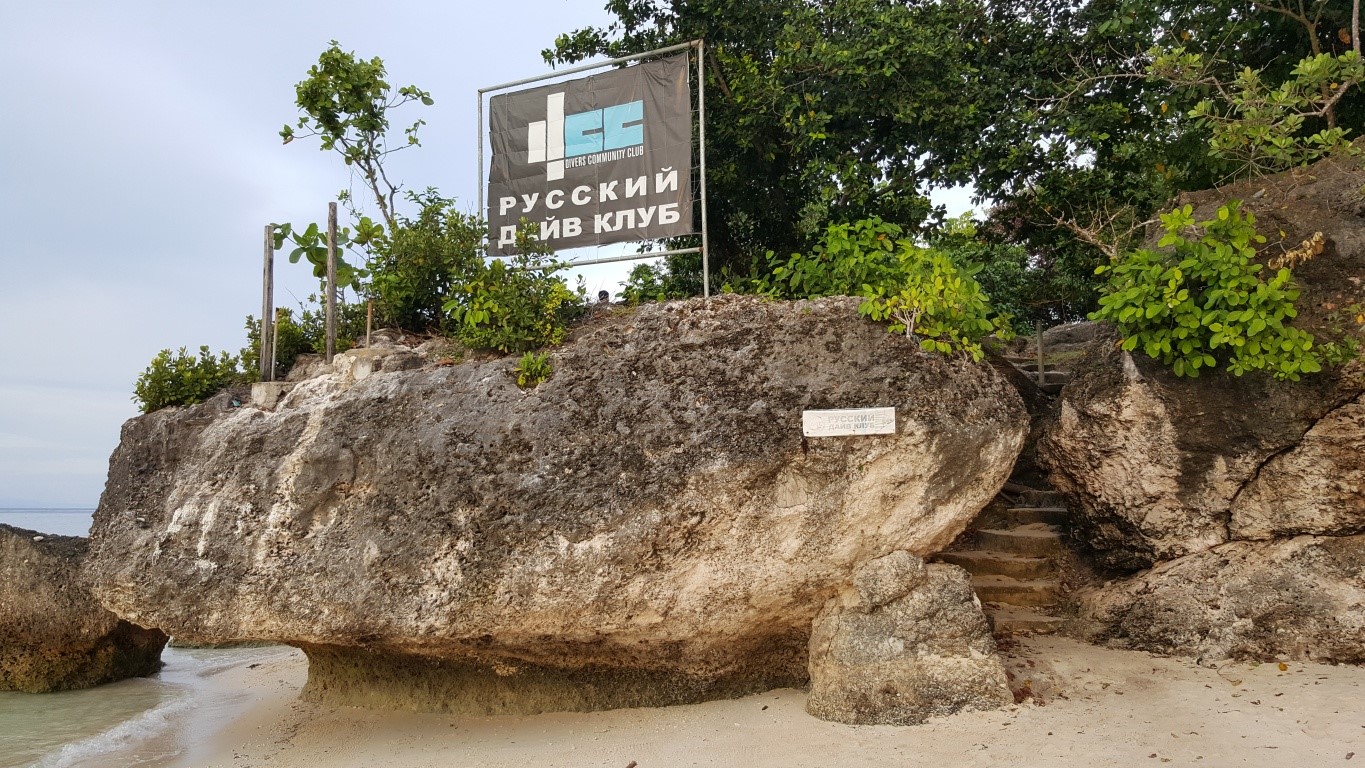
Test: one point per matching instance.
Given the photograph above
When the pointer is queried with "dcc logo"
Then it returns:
(561, 137)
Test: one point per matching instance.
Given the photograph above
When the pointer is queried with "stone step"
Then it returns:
(1027, 515)
(1013, 620)
(1031, 593)
(980, 563)
(1033, 540)
(1029, 364)
(1052, 388)
(1036, 498)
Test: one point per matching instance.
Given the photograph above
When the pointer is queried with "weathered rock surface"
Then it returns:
(1318, 486)
(1301, 598)
(906, 643)
(1154, 463)
(646, 527)
(1213, 482)
(54, 636)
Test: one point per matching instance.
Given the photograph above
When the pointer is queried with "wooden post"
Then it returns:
(267, 346)
(331, 281)
(1042, 373)
(369, 321)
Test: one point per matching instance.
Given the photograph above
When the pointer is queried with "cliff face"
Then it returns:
(54, 636)
(648, 526)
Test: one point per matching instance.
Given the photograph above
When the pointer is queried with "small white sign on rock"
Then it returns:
(848, 421)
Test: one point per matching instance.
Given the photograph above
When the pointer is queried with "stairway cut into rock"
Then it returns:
(1014, 564)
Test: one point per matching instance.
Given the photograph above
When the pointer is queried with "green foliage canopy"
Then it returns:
(919, 291)
(849, 109)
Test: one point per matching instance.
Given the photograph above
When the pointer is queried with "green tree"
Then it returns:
(346, 103)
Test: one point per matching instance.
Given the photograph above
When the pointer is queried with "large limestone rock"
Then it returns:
(1155, 463)
(907, 642)
(1212, 483)
(646, 527)
(1301, 598)
(54, 636)
(1162, 467)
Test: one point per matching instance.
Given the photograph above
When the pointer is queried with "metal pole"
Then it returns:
(266, 352)
(478, 136)
(701, 132)
(629, 257)
(1042, 375)
(331, 281)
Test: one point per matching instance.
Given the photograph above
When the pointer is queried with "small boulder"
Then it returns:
(898, 656)
(54, 636)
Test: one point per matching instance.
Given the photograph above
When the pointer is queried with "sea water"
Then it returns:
(161, 720)
(153, 721)
(63, 522)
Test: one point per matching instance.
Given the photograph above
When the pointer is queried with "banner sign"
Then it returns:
(602, 159)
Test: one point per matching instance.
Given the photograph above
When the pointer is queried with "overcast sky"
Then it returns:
(140, 160)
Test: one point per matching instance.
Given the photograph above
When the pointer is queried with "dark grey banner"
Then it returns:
(603, 159)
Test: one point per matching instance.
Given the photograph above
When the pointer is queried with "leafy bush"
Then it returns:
(1203, 303)
(414, 268)
(183, 379)
(311, 243)
(302, 334)
(533, 369)
(851, 260)
(514, 306)
(936, 302)
(677, 277)
(921, 292)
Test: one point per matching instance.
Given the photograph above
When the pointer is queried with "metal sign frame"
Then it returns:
(700, 47)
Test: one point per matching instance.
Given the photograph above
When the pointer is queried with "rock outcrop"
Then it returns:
(54, 636)
(907, 642)
(1301, 598)
(1316, 487)
(1160, 467)
(647, 527)
(1212, 483)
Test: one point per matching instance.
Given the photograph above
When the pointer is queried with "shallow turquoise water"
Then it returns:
(153, 721)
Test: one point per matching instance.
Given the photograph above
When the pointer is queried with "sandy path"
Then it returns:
(1095, 707)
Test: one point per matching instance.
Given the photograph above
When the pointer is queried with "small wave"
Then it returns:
(143, 729)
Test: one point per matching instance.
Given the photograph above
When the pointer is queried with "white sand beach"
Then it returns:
(1090, 707)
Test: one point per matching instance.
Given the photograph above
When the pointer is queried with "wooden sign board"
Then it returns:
(848, 421)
